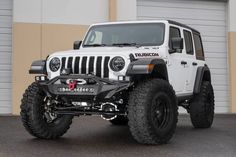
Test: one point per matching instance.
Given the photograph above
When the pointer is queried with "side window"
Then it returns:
(174, 32)
(198, 47)
(188, 42)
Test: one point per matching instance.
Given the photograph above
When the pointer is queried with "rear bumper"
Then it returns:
(93, 87)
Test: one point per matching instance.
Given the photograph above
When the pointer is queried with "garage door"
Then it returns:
(209, 17)
(5, 55)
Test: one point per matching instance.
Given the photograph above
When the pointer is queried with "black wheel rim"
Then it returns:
(46, 115)
(161, 111)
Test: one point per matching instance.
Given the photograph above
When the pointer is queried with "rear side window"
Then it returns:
(198, 47)
(188, 42)
(174, 32)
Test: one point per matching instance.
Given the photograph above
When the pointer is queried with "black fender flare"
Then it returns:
(38, 67)
(203, 74)
(140, 67)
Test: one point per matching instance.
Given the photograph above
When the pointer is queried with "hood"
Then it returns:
(138, 52)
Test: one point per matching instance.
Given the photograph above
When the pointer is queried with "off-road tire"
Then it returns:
(202, 107)
(32, 115)
(120, 120)
(142, 113)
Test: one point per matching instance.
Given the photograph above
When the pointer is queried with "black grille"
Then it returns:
(98, 66)
(91, 65)
(76, 66)
(63, 62)
(69, 64)
(84, 62)
(106, 68)
(86, 65)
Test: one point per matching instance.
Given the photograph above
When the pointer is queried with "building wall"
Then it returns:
(5, 56)
(232, 52)
(126, 10)
(41, 27)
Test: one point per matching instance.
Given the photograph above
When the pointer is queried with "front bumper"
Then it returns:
(93, 87)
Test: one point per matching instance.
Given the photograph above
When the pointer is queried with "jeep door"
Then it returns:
(176, 65)
(194, 56)
(189, 57)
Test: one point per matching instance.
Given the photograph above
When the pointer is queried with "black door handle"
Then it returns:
(194, 63)
(183, 62)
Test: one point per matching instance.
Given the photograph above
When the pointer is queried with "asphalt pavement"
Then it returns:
(94, 137)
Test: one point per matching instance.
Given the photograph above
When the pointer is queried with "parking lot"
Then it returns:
(94, 137)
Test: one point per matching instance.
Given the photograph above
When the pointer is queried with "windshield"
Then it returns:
(135, 34)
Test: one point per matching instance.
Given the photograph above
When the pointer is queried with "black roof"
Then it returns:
(183, 25)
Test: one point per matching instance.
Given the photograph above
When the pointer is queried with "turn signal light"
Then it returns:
(150, 67)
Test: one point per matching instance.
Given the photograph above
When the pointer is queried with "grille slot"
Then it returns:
(63, 62)
(69, 63)
(106, 68)
(98, 66)
(88, 65)
(91, 65)
(76, 66)
(84, 61)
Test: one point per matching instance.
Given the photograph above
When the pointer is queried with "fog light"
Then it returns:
(43, 78)
(37, 78)
(123, 78)
(40, 78)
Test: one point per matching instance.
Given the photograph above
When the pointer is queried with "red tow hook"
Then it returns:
(72, 85)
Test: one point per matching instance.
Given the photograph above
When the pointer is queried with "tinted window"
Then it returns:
(174, 32)
(198, 47)
(147, 34)
(188, 42)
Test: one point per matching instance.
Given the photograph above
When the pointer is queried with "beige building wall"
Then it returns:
(40, 28)
(26, 48)
(32, 41)
(232, 52)
(59, 37)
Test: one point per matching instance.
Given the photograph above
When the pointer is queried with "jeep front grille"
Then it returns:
(88, 65)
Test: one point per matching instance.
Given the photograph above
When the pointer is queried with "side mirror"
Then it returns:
(77, 44)
(176, 44)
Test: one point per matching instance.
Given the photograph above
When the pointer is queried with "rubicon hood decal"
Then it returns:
(146, 54)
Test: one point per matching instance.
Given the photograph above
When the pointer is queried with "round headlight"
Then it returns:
(54, 64)
(117, 64)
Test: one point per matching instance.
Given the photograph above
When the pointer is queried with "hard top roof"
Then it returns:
(183, 25)
(148, 21)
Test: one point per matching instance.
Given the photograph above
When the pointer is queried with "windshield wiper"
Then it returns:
(94, 45)
(126, 44)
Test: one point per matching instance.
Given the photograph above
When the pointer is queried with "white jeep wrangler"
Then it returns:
(134, 73)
